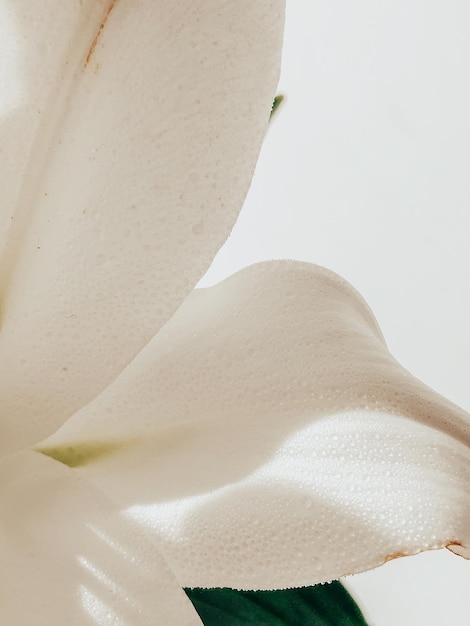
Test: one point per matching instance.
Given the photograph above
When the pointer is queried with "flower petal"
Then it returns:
(144, 131)
(69, 557)
(271, 440)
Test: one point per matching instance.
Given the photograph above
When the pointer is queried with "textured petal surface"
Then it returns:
(70, 557)
(283, 445)
(125, 161)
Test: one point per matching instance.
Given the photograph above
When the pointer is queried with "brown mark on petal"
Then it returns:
(454, 546)
(395, 555)
(459, 548)
(99, 31)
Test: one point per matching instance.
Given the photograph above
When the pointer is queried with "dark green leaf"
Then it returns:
(321, 605)
(276, 104)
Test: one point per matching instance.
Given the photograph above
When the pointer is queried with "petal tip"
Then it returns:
(459, 549)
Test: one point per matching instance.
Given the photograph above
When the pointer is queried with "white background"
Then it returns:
(365, 170)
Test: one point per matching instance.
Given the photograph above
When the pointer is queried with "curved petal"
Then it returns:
(70, 557)
(271, 440)
(144, 135)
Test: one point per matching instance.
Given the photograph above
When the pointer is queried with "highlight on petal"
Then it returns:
(9, 96)
(69, 556)
(123, 175)
(276, 442)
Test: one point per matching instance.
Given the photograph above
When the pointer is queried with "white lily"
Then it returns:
(261, 436)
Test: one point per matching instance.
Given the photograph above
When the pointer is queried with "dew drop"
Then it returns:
(316, 564)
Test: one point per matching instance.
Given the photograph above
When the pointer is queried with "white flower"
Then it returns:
(255, 434)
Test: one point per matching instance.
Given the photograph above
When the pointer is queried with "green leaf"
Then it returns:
(82, 453)
(321, 605)
(278, 100)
